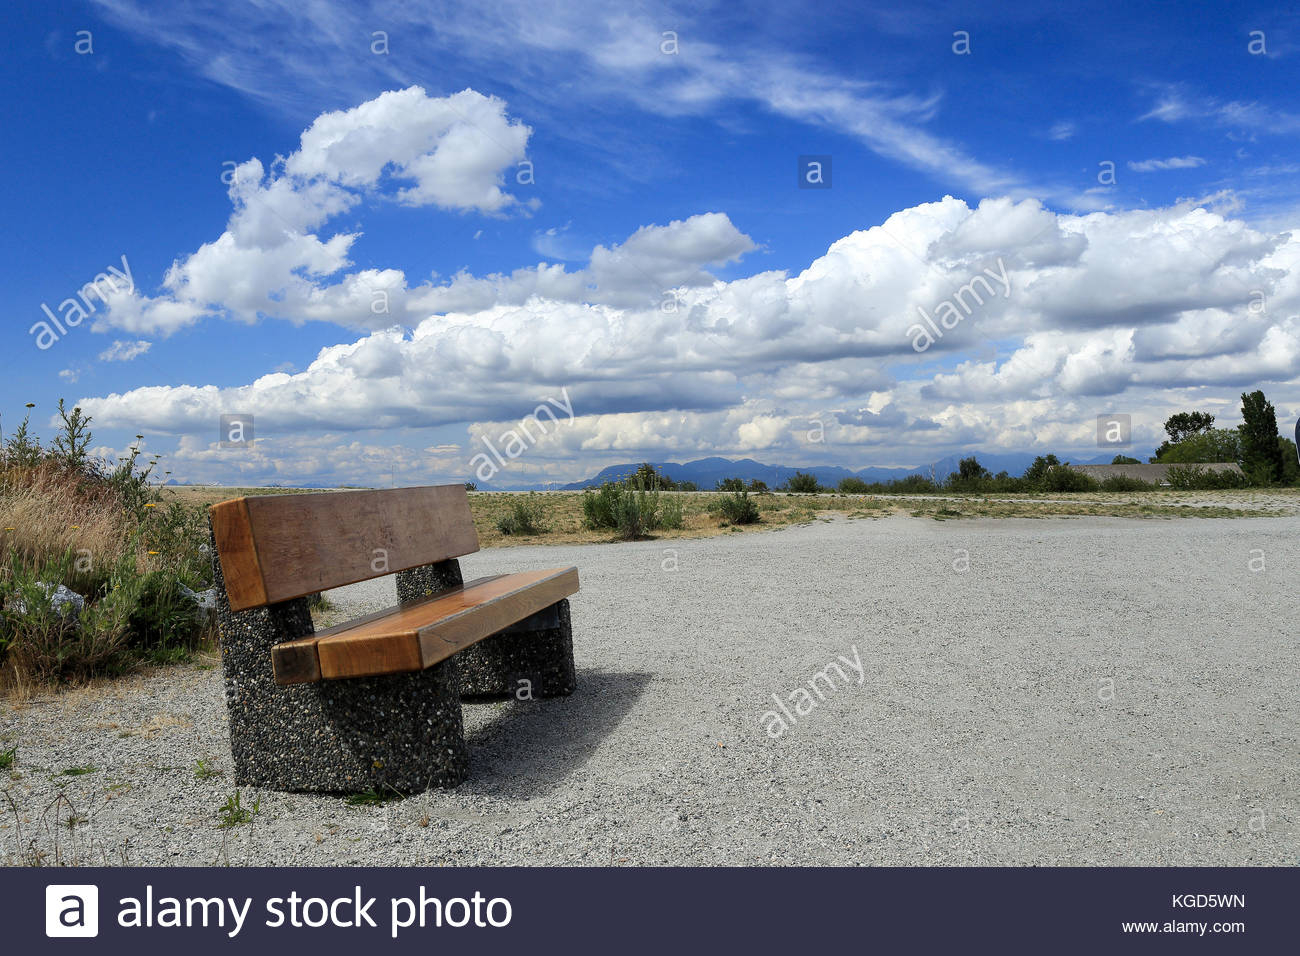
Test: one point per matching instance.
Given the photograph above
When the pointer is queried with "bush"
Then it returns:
(912, 485)
(854, 486)
(1036, 474)
(645, 476)
(97, 529)
(526, 516)
(48, 644)
(738, 508)
(758, 486)
(687, 486)
(161, 618)
(671, 517)
(731, 484)
(1196, 478)
(630, 509)
(1065, 478)
(802, 484)
(1125, 483)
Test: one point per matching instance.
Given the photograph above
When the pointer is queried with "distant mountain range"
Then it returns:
(707, 472)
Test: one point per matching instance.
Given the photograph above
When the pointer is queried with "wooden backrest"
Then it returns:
(276, 547)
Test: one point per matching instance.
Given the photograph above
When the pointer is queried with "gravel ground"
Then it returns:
(1060, 691)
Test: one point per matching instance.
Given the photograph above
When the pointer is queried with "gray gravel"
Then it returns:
(1089, 691)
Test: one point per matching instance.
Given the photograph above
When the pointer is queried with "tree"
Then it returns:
(1181, 427)
(1124, 460)
(970, 469)
(1260, 452)
(1290, 466)
(646, 477)
(1185, 424)
(1215, 444)
(1037, 472)
(802, 483)
(731, 484)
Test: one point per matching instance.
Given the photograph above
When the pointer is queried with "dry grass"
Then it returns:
(563, 509)
(45, 511)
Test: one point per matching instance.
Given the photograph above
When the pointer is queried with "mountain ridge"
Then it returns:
(707, 472)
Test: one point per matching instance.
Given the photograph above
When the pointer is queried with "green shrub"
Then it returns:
(98, 529)
(526, 516)
(161, 617)
(1196, 478)
(49, 645)
(853, 486)
(731, 484)
(600, 508)
(645, 476)
(912, 485)
(738, 508)
(1125, 483)
(803, 484)
(1065, 478)
(758, 486)
(630, 509)
(671, 517)
(1036, 474)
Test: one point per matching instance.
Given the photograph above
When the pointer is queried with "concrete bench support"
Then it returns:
(399, 732)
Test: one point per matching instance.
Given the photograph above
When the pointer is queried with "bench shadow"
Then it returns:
(527, 748)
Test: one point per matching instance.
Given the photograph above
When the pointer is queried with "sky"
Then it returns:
(381, 236)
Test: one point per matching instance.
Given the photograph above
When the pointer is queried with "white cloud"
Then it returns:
(121, 351)
(1061, 131)
(563, 53)
(404, 146)
(1124, 308)
(1175, 104)
(1173, 162)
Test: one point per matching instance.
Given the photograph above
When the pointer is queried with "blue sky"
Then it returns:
(597, 204)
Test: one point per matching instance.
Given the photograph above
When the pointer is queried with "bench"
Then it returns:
(373, 703)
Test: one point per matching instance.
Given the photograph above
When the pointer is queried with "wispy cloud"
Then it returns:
(1173, 162)
(1175, 104)
(1061, 131)
(121, 351)
(563, 55)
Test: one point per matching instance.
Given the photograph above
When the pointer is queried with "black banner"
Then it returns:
(150, 910)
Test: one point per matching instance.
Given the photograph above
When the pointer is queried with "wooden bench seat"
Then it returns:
(373, 703)
(414, 636)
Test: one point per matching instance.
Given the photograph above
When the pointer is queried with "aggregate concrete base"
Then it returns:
(533, 658)
(530, 659)
(399, 732)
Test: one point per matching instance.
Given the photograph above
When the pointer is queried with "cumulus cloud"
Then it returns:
(1130, 306)
(403, 146)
